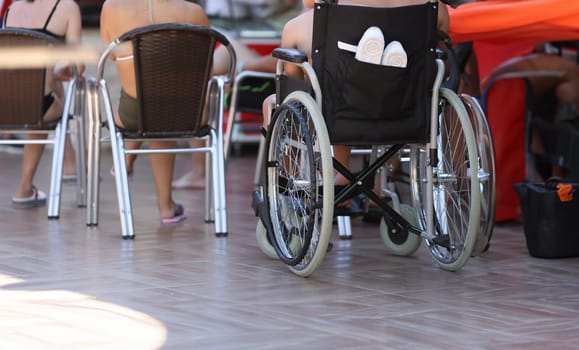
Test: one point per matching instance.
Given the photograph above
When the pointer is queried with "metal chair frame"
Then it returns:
(234, 132)
(24, 120)
(212, 133)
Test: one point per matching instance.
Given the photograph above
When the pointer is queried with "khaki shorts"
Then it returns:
(129, 111)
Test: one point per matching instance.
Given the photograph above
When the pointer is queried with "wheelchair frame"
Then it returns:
(296, 201)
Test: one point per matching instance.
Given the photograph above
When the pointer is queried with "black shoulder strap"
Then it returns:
(50, 15)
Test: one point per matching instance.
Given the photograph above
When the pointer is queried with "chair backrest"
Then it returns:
(22, 90)
(370, 102)
(172, 68)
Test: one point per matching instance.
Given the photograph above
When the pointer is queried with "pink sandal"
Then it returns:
(179, 215)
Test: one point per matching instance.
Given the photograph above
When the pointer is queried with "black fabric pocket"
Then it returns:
(371, 91)
(369, 104)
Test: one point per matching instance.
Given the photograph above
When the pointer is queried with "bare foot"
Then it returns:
(189, 181)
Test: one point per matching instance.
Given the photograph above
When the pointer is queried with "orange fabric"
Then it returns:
(565, 192)
(515, 20)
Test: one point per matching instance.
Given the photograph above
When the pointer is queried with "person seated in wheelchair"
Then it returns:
(375, 79)
(297, 34)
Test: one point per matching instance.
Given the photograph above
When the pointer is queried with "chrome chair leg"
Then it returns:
(93, 153)
(58, 157)
(344, 227)
(122, 183)
(80, 154)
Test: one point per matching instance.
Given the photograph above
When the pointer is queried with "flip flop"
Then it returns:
(178, 215)
(37, 199)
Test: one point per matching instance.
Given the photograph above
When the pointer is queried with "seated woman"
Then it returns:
(553, 95)
(61, 19)
(118, 17)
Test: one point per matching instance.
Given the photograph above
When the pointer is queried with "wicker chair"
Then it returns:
(174, 85)
(21, 96)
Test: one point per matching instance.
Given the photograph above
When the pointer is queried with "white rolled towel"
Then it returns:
(394, 55)
(371, 46)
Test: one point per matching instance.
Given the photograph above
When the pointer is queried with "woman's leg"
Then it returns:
(30, 161)
(342, 155)
(33, 152)
(195, 178)
(131, 158)
(163, 165)
(131, 145)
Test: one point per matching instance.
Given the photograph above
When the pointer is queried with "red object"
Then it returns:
(490, 54)
(262, 48)
(506, 116)
(3, 9)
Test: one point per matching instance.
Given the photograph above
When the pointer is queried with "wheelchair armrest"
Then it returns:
(290, 55)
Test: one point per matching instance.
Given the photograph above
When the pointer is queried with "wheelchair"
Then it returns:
(396, 111)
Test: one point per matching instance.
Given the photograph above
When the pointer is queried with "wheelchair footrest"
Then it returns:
(443, 241)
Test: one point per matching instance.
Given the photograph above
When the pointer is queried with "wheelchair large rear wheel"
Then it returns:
(455, 188)
(299, 183)
(486, 172)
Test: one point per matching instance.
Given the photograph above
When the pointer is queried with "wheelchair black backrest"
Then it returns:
(365, 103)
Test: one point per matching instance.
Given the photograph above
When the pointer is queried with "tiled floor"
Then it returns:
(67, 286)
